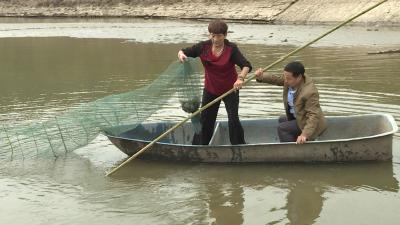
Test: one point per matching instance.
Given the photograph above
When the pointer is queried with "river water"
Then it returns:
(47, 65)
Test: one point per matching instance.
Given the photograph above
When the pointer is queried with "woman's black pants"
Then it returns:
(209, 116)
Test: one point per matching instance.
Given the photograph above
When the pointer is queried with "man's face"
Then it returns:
(217, 39)
(291, 80)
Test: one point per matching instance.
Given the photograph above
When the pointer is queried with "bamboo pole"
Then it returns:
(245, 82)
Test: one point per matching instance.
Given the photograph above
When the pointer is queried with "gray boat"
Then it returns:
(348, 138)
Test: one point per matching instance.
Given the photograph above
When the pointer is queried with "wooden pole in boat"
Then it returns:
(245, 82)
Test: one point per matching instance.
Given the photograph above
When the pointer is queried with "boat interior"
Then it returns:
(258, 131)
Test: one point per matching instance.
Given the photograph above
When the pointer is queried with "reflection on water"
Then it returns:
(164, 193)
(41, 77)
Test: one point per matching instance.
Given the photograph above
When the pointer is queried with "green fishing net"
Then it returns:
(79, 125)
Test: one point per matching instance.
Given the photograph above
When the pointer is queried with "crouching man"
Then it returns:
(304, 120)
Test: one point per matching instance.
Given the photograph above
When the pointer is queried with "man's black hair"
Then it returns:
(296, 68)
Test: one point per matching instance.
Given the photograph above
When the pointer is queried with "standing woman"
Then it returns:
(219, 57)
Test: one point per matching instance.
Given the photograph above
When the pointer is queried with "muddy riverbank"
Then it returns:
(254, 11)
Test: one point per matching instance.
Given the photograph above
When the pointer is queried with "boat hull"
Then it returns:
(374, 147)
(378, 149)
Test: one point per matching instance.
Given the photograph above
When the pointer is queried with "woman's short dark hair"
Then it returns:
(296, 68)
(218, 27)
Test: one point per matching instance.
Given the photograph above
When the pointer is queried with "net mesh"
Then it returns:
(78, 126)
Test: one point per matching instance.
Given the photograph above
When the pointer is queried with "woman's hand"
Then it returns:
(301, 139)
(238, 84)
(242, 76)
(259, 74)
(181, 56)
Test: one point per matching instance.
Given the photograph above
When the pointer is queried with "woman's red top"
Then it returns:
(220, 72)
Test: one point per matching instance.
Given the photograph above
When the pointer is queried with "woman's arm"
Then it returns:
(244, 72)
(238, 58)
(239, 82)
(193, 51)
(245, 66)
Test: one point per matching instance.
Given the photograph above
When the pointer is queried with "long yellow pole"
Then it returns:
(245, 82)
